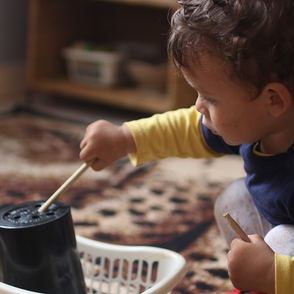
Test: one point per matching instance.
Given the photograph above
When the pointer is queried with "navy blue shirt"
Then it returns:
(270, 179)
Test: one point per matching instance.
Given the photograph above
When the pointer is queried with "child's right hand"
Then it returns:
(107, 142)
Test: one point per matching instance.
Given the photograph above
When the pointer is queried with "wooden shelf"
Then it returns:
(125, 97)
(54, 24)
(152, 3)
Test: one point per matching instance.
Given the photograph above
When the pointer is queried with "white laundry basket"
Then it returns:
(116, 269)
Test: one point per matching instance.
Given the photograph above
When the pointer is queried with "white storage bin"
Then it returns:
(96, 68)
(120, 269)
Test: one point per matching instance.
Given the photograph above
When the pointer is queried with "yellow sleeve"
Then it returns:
(284, 272)
(171, 134)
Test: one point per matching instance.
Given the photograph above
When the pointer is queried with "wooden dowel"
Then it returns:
(66, 185)
(236, 227)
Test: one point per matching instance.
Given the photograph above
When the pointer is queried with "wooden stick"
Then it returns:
(236, 227)
(66, 185)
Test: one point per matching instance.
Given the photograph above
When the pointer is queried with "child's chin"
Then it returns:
(231, 142)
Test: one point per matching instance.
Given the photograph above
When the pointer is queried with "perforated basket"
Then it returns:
(116, 269)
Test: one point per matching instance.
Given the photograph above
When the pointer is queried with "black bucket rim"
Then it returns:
(26, 215)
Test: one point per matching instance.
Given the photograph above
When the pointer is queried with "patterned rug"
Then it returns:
(160, 203)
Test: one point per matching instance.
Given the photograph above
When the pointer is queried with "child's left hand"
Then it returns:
(252, 265)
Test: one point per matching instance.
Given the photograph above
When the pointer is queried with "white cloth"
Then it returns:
(237, 201)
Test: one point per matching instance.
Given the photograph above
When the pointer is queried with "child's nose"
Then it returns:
(200, 107)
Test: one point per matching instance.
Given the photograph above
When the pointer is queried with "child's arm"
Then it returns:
(107, 142)
(171, 134)
(174, 133)
(252, 265)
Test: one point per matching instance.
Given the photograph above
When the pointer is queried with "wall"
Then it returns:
(13, 35)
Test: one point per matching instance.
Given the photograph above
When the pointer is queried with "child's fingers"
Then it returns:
(83, 144)
(86, 154)
(255, 238)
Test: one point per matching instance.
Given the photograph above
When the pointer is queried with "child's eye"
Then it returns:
(209, 100)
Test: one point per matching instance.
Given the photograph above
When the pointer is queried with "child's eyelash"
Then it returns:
(207, 99)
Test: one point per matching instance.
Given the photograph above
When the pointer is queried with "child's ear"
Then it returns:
(279, 99)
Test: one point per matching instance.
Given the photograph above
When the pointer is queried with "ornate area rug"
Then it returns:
(168, 203)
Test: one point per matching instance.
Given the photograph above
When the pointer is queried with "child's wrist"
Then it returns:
(268, 280)
(129, 139)
(271, 281)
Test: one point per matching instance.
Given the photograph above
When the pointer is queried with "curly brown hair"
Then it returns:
(255, 37)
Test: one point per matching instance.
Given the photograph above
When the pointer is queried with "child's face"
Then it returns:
(228, 108)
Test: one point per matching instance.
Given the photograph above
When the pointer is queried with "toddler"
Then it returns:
(238, 55)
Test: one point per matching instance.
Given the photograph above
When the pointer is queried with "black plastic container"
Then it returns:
(38, 250)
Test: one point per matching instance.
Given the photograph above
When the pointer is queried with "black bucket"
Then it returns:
(38, 250)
